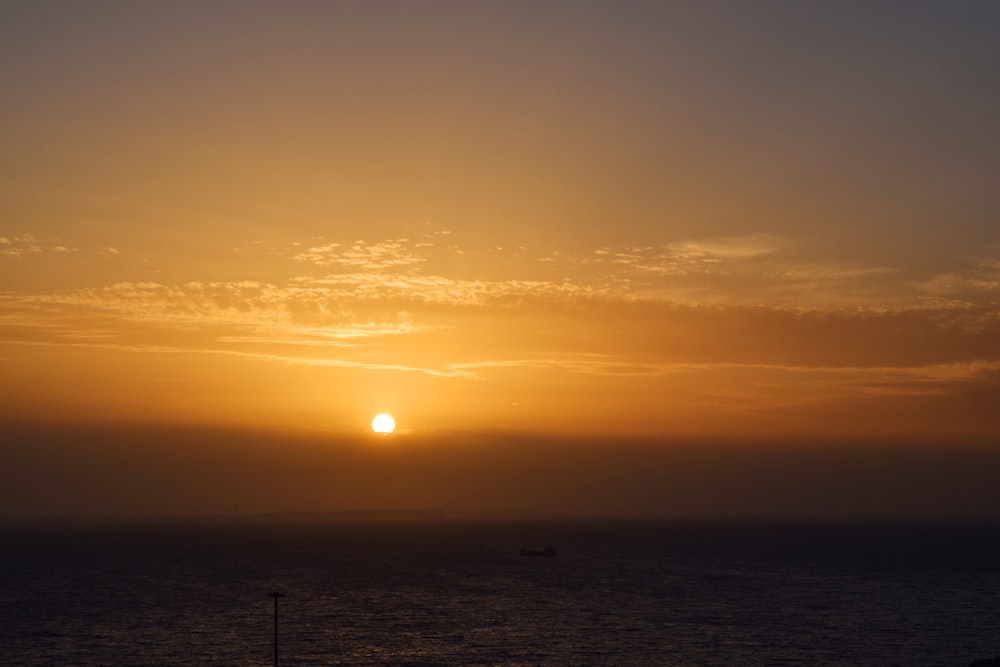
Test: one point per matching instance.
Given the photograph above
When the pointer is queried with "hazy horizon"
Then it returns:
(173, 471)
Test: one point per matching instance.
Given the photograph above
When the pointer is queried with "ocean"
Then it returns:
(459, 593)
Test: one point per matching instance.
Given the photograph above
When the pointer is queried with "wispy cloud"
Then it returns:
(447, 372)
(341, 336)
(686, 257)
(922, 379)
(738, 302)
(979, 279)
(734, 327)
(442, 290)
(234, 313)
(761, 269)
(24, 245)
(393, 253)
(290, 360)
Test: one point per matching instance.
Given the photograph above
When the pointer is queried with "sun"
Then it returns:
(383, 423)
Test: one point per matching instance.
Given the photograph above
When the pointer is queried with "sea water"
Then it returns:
(459, 593)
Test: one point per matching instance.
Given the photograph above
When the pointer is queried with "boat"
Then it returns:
(547, 551)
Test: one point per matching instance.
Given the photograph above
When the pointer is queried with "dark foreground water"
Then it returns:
(674, 593)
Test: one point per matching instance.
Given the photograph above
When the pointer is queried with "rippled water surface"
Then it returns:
(672, 593)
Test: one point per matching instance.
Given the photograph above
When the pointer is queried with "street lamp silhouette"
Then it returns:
(276, 595)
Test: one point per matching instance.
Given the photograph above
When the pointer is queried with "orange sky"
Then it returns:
(616, 219)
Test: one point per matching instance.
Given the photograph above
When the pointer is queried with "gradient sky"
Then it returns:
(625, 220)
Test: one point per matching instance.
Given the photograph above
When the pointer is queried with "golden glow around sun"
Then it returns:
(383, 423)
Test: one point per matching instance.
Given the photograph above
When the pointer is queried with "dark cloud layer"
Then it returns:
(161, 471)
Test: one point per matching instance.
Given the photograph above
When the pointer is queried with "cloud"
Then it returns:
(25, 245)
(727, 248)
(346, 363)
(729, 270)
(20, 246)
(606, 315)
(979, 279)
(442, 290)
(658, 360)
(393, 253)
(741, 326)
(339, 336)
(688, 257)
(205, 315)
(284, 359)
(759, 269)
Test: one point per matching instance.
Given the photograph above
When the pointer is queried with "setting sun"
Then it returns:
(383, 423)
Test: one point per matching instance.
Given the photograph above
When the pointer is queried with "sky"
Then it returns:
(631, 225)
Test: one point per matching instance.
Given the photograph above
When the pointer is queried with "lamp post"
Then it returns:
(276, 595)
